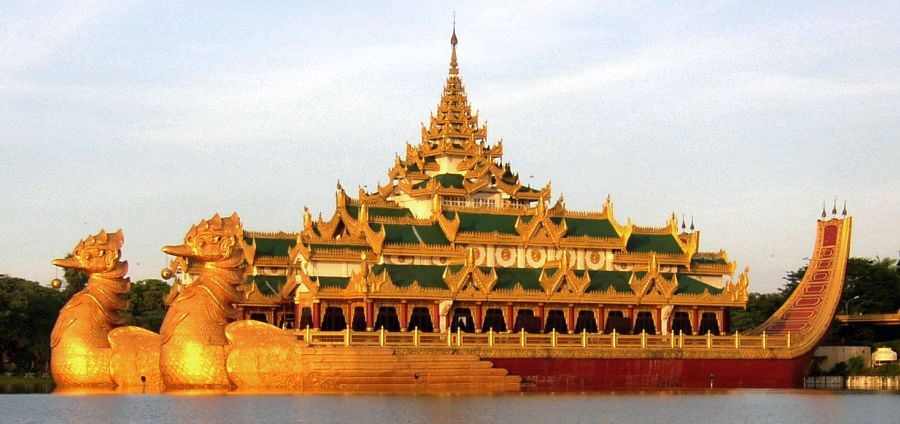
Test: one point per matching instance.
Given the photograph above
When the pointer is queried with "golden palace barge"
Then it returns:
(453, 276)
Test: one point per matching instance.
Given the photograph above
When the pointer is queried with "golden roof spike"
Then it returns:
(454, 67)
(843, 213)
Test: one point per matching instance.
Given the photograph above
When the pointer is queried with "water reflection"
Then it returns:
(26, 385)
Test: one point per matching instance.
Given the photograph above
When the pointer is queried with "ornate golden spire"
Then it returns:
(454, 121)
(454, 67)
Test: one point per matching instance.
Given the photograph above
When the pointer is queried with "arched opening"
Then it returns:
(462, 319)
(359, 319)
(258, 316)
(288, 320)
(493, 319)
(586, 322)
(305, 317)
(526, 320)
(420, 318)
(387, 319)
(616, 320)
(709, 323)
(644, 322)
(681, 323)
(556, 319)
(334, 319)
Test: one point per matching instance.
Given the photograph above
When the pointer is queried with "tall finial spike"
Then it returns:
(834, 208)
(454, 66)
(692, 222)
(824, 215)
(683, 224)
(844, 212)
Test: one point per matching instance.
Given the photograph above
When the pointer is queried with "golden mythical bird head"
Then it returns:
(96, 254)
(214, 240)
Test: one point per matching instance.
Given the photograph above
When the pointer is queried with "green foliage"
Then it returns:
(27, 314)
(876, 282)
(888, 370)
(75, 280)
(840, 369)
(856, 365)
(146, 307)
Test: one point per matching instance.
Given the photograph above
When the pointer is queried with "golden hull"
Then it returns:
(135, 359)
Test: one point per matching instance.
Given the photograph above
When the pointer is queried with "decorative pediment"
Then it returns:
(375, 239)
(450, 227)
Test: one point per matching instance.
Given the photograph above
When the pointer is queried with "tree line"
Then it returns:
(29, 310)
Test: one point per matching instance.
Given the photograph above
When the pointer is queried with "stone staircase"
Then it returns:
(365, 369)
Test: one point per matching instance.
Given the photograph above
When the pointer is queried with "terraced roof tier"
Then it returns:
(659, 243)
(268, 285)
(430, 276)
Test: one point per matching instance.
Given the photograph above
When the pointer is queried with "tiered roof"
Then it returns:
(373, 225)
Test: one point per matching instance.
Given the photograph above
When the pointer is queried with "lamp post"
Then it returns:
(847, 305)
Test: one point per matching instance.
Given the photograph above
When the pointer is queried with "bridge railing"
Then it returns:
(583, 340)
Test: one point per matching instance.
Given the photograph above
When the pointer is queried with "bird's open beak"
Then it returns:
(67, 263)
(180, 250)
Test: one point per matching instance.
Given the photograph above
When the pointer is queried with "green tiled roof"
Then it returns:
(338, 247)
(690, 285)
(268, 284)
(413, 167)
(378, 211)
(659, 243)
(445, 180)
(271, 246)
(527, 189)
(590, 227)
(431, 276)
(333, 282)
(601, 280)
(450, 180)
(507, 278)
(708, 261)
(415, 234)
(486, 223)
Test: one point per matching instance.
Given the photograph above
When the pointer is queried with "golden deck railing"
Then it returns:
(553, 339)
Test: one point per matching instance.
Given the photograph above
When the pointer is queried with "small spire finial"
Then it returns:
(824, 215)
(844, 212)
(834, 208)
(454, 66)
(692, 222)
(683, 224)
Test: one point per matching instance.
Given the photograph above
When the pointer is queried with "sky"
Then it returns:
(149, 116)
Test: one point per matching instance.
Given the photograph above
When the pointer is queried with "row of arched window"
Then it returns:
(462, 320)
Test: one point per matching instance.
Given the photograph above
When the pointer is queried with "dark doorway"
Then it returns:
(586, 322)
(334, 319)
(681, 323)
(493, 319)
(644, 322)
(305, 318)
(556, 319)
(616, 320)
(462, 319)
(420, 318)
(359, 319)
(709, 323)
(259, 317)
(387, 319)
(526, 320)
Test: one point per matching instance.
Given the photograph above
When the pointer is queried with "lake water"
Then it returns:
(695, 407)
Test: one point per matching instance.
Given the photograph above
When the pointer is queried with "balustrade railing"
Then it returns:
(583, 340)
